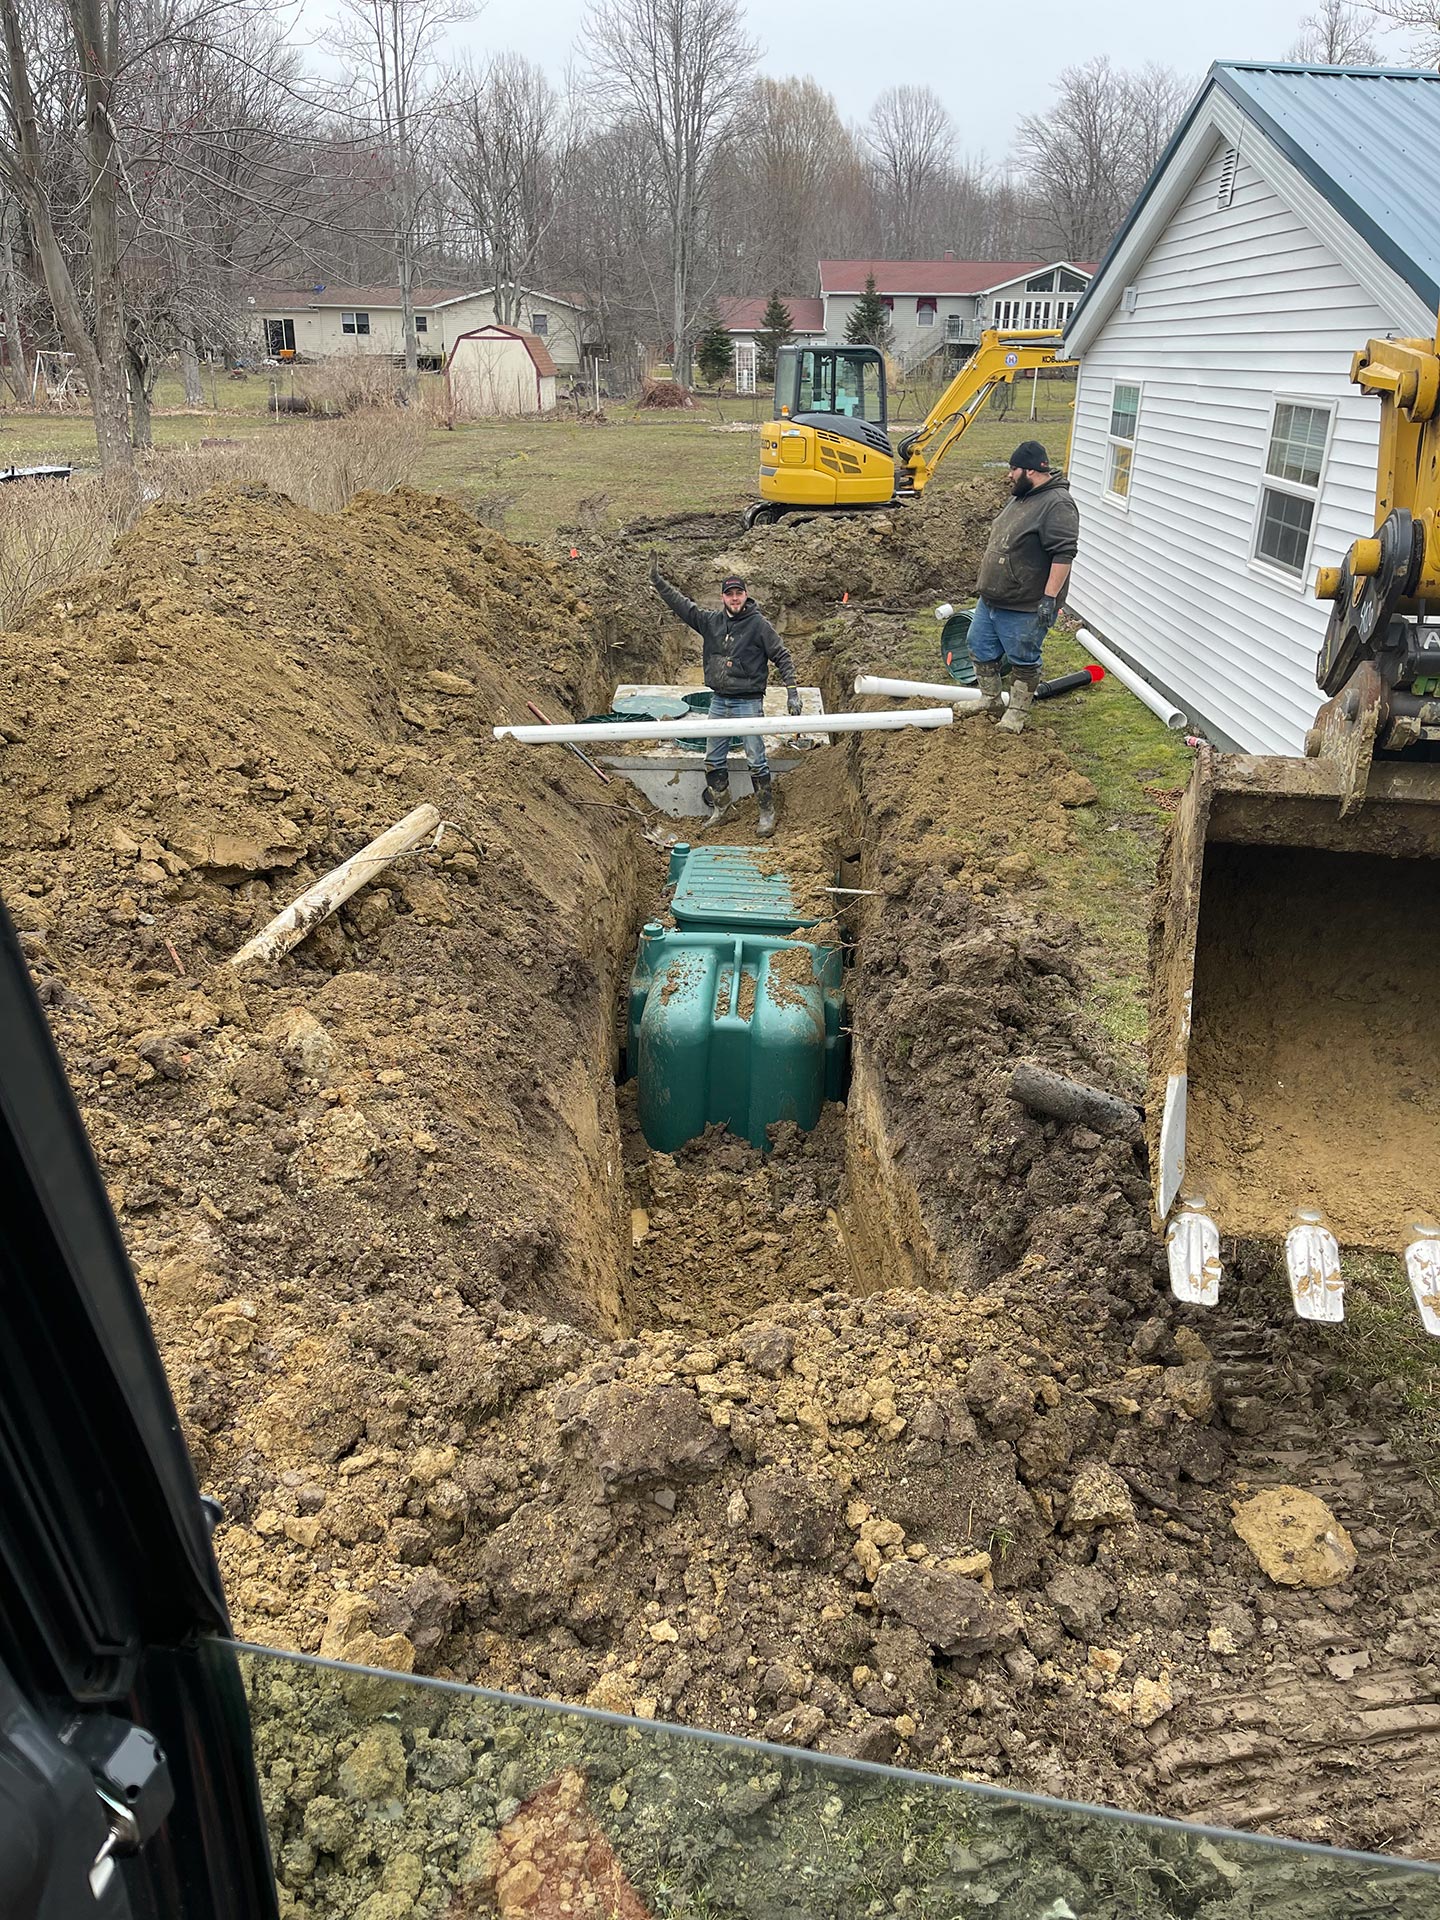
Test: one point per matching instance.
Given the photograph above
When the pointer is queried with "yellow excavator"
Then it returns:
(829, 449)
(1295, 952)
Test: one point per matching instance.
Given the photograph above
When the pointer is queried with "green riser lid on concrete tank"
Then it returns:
(728, 1029)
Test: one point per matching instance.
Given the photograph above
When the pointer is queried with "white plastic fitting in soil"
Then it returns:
(702, 727)
(916, 689)
(1174, 719)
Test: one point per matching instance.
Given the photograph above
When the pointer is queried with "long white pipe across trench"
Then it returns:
(702, 727)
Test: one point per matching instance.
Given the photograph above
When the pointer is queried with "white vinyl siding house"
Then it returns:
(320, 322)
(1219, 452)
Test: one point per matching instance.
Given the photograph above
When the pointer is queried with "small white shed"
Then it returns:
(499, 369)
(1219, 452)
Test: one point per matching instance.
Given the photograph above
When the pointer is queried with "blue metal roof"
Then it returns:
(1368, 138)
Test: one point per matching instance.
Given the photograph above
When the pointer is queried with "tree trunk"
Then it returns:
(101, 355)
(190, 371)
(141, 435)
(96, 28)
(17, 374)
(681, 368)
(399, 70)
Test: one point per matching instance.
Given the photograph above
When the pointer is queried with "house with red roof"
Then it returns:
(949, 302)
(743, 318)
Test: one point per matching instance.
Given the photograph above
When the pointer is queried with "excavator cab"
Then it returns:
(828, 448)
(1295, 1066)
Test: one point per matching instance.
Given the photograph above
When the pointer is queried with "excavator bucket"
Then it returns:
(1295, 1025)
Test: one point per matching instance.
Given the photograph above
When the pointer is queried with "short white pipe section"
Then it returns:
(1127, 676)
(702, 727)
(916, 689)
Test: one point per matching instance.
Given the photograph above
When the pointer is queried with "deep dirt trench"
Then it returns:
(889, 1444)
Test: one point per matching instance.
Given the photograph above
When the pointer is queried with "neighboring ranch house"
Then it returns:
(1219, 451)
(323, 321)
(499, 369)
(744, 320)
(949, 302)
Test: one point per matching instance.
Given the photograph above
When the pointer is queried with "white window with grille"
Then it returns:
(355, 323)
(745, 359)
(1120, 451)
(1290, 489)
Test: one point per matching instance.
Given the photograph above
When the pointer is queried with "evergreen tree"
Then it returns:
(869, 322)
(777, 329)
(715, 352)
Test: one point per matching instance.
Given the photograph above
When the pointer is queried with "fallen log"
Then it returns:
(1041, 1091)
(317, 903)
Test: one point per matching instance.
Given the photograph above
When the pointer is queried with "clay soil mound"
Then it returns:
(321, 1168)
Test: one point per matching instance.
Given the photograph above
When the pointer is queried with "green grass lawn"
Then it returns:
(535, 476)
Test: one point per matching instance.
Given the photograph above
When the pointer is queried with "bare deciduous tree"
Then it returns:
(1087, 158)
(75, 58)
(678, 69)
(911, 138)
(507, 143)
(1336, 35)
(390, 47)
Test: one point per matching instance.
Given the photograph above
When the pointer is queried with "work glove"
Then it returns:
(792, 703)
(1047, 611)
(655, 574)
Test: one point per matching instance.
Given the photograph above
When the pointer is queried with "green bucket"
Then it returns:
(955, 647)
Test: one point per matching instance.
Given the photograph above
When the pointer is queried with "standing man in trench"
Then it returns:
(740, 645)
(1022, 582)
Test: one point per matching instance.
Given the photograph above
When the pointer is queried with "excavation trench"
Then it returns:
(886, 1442)
(718, 1232)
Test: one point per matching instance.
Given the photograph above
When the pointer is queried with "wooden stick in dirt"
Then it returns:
(599, 772)
(1072, 1101)
(317, 903)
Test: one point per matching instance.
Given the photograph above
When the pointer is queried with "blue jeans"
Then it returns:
(738, 706)
(1005, 632)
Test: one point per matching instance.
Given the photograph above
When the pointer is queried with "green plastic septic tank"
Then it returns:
(736, 1029)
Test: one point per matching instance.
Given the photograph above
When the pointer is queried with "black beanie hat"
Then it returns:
(1031, 456)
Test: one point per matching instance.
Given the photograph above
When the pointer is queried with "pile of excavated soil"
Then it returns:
(321, 1168)
(932, 546)
(967, 1506)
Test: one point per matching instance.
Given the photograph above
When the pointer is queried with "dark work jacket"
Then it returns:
(738, 647)
(1027, 539)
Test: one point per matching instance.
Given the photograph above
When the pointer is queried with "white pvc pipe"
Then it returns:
(1127, 676)
(916, 689)
(702, 727)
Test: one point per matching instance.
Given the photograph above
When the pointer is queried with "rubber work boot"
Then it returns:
(987, 678)
(716, 793)
(765, 794)
(1023, 682)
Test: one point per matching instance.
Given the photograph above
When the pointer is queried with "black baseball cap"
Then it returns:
(732, 583)
(1031, 456)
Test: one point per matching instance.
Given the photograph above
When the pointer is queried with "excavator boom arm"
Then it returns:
(998, 358)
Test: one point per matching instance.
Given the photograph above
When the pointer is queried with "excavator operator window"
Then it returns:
(849, 381)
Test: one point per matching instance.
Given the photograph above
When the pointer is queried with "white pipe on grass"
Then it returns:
(702, 727)
(1127, 676)
(917, 689)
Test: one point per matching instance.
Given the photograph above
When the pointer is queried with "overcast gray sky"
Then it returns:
(855, 48)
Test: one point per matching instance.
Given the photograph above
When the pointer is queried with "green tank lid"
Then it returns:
(727, 887)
